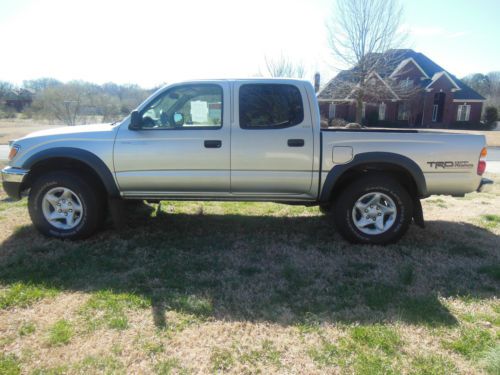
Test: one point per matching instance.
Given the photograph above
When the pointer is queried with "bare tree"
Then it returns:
(62, 103)
(360, 32)
(284, 67)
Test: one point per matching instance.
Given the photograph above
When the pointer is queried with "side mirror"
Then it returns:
(135, 120)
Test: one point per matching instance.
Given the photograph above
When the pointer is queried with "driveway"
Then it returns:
(493, 160)
(4, 152)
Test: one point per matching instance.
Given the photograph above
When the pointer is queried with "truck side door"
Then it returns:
(272, 144)
(182, 147)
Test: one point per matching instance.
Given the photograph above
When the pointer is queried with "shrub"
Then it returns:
(490, 114)
(338, 123)
(490, 117)
(7, 112)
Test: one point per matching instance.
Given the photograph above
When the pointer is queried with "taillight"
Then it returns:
(481, 166)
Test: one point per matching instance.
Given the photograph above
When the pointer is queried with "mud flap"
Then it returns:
(118, 213)
(418, 213)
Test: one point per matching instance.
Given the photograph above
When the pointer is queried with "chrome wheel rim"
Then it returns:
(62, 208)
(374, 213)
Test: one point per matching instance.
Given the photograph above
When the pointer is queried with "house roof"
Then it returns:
(389, 62)
(20, 94)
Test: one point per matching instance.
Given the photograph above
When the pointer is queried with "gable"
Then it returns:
(409, 68)
(443, 81)
(414, 65)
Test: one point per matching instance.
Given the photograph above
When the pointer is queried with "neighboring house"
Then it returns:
(409, 89)
(19, 98)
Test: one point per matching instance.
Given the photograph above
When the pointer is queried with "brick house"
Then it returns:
(438, 98)
(19, 98)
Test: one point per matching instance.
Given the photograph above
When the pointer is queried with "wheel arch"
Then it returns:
(400, 167)
(74, 159)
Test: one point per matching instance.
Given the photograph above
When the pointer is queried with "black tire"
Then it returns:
(381, 183)
(325, 209)
(90, 195)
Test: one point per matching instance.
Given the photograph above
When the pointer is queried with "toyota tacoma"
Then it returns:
(240, 140)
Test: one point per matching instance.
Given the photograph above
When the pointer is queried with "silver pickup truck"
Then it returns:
(240, 140)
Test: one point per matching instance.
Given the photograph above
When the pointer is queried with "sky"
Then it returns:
(152, 42)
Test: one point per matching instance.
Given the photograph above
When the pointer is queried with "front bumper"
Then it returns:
(12, 181)
(484, 185)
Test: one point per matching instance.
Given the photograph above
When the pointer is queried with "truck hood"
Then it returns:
(72, 131)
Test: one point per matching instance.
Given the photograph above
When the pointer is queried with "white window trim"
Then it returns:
(460, 110)
(382, 107)
(332, 109)
(435, 109)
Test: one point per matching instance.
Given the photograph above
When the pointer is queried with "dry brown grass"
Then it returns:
(14, 129)
(253, 288)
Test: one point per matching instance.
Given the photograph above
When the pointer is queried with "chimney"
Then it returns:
(316, 82)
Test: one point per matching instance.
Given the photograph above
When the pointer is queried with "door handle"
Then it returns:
(295, 143)
(213, 144)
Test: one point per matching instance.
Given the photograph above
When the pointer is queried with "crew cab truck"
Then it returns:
(240, 140)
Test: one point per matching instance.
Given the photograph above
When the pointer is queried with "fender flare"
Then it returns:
(88, 158)
(375, 157)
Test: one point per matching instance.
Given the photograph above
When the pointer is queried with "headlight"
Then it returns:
(13, 151)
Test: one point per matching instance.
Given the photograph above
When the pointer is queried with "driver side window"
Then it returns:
(185, 107)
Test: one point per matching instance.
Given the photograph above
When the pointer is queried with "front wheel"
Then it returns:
(65, 205)
(375, 209)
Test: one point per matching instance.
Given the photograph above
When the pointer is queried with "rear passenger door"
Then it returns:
(271, 140)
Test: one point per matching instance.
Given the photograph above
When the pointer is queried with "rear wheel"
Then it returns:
(375, 209)
(65, 205)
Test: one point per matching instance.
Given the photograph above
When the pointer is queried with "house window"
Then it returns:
(403, 112)
(435, 108)
(463, 112)
(406, 84)
(331, 111)
(381, 111)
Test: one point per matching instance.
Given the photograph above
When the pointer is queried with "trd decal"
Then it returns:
(450, 164)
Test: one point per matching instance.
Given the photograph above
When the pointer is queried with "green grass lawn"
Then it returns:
(252, 288)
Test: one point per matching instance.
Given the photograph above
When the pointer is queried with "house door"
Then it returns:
(438, 107)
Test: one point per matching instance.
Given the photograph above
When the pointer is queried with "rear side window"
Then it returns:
(270, 106)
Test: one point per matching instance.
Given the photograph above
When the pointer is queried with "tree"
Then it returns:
(360, 33)
(5, 88)
(488, 85)
(284, 67)
(41, 84)
(480, 83)
(61, 102)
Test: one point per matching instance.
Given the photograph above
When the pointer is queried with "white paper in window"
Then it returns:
(199, 111)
